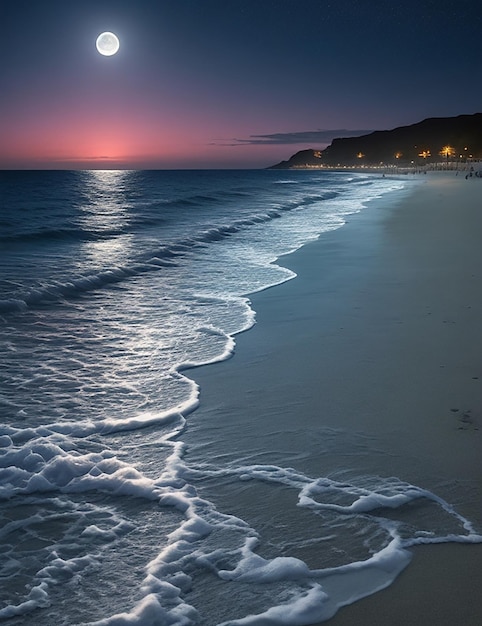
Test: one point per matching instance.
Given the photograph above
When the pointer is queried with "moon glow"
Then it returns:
(107, 44)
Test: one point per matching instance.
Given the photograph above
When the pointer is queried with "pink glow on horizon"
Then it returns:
(99, 140)
(85, 136)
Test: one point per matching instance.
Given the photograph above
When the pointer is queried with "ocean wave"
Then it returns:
(166, 256)
(77, 234)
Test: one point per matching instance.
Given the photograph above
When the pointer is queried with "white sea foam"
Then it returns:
(322, 591)
(52, 466)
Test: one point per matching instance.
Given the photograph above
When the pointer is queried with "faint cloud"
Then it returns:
(79, 159)
(311, 137)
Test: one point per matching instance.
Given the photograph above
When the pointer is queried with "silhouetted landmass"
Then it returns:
(432, 140)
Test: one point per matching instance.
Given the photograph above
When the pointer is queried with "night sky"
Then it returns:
(225, 83)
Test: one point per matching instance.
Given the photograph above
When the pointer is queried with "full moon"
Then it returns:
(107, 44)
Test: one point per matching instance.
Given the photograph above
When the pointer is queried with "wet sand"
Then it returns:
(436, 231)
(377, 337)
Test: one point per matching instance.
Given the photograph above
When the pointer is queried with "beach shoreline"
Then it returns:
(441, 583)
(376, 337)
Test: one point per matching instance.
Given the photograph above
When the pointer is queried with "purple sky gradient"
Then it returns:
(225, 83)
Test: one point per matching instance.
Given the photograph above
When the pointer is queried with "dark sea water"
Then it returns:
(114, 285)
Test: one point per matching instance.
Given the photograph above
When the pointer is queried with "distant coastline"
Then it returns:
(435, 143)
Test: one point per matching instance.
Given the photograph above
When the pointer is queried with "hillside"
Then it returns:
(459, 137)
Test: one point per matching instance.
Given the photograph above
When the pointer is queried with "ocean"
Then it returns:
(114, 287)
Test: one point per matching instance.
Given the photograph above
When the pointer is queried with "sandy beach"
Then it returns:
(371, 356)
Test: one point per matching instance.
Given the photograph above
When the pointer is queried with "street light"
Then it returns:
(447, 151)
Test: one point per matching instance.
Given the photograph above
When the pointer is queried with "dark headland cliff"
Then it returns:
(432, 140)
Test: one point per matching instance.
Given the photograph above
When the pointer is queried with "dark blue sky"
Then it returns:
(225, 83)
